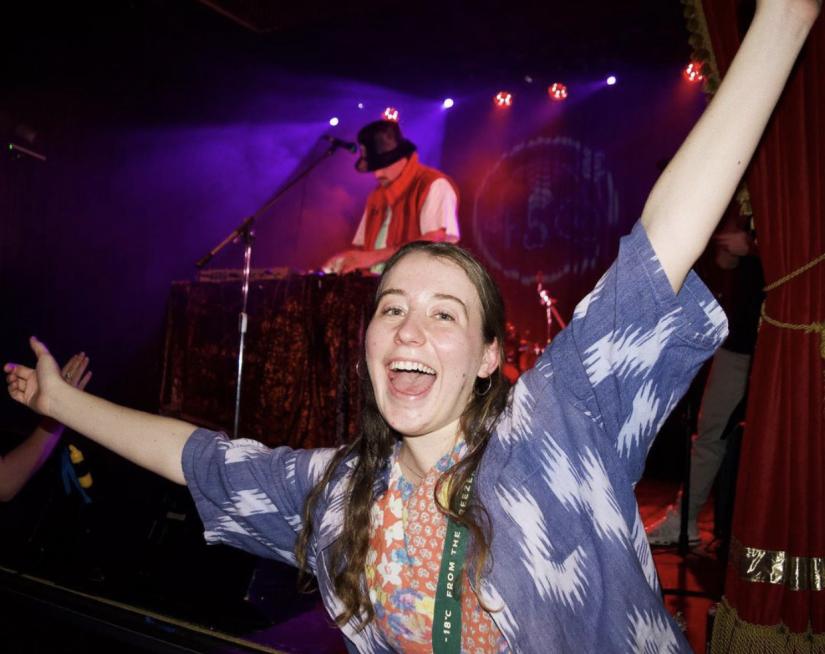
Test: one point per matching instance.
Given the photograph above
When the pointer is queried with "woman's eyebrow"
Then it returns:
(389, 291)
(437, 296)
(447, 296)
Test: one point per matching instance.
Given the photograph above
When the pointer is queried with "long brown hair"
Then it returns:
(373, 448)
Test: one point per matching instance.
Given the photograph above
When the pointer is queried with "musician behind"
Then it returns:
(411, 202)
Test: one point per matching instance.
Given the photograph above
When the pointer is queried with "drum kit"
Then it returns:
(521, 353)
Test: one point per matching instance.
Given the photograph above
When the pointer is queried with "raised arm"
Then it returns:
(153, 442)
(689, 198)
(17, 467)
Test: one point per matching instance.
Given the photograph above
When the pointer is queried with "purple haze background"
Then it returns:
(130, 197)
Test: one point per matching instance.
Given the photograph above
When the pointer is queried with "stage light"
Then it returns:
(693, 72)
(360, 105)
(503, 99)
(333, 121)
(528, 79)
(448, 103)
(611, 80)
(391, 114)
(557, 92)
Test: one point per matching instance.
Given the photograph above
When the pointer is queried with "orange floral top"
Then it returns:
(406, 541)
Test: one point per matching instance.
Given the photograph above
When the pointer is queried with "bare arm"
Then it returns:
(18, 466)
(153, 442)
(691, 195)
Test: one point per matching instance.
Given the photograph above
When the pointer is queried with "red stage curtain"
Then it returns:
(777, 571)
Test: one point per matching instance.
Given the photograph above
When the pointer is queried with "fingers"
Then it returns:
(15, 371)
(84, 380)
(39, 348)
(17, 378)
(75, 367)
(71, 365)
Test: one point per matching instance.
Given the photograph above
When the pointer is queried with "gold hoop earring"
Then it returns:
(486, 390)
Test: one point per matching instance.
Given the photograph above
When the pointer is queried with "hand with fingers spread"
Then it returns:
(34, 387)
(17, 467)
(154, 442)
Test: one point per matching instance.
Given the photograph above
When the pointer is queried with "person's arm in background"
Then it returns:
(690, 196)
(18, 466)
(151, 441)
(733, 244)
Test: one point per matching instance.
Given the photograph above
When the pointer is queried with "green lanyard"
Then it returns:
(447, 613)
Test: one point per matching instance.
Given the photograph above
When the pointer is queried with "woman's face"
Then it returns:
(425, 346)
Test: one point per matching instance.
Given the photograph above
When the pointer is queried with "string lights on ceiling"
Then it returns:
(556, 92)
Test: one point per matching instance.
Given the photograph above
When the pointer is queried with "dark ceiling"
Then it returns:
(137, 50)
(369, 40)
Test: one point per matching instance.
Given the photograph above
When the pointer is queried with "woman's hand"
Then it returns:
(73, 371)
(35, 387)
(356, 259)
(154, 442)
(678, 220)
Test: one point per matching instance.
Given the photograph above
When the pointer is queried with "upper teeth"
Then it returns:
(412, 366)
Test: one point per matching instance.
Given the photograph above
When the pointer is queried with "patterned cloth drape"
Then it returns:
(775, 584)
(300, 385)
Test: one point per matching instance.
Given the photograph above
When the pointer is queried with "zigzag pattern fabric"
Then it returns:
(571, 567)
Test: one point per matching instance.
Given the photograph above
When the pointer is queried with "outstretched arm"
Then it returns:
(690, 196)
(153, 442)
(17, 467)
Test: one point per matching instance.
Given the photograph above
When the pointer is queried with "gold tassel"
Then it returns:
(732, 635)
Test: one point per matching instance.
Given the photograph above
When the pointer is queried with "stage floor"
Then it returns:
(35, 621)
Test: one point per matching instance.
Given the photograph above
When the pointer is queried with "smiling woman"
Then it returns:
(533, 485)
(425, 348)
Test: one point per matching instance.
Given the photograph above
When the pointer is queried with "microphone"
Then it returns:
(335, 142)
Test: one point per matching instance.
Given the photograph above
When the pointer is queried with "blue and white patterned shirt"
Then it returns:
(571, 567)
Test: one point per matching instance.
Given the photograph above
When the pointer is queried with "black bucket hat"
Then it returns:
(382, 144)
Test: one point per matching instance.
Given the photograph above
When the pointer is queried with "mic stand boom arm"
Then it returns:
(245, 233)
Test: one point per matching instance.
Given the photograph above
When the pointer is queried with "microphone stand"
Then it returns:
(549, 304)
(245, 233)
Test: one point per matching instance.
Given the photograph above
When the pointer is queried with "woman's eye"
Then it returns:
(391, 311)
(443, 315)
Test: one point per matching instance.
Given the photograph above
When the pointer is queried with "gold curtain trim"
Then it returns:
(808, 328)
(732, 635)
(777, 567)
(697, 26)
(795, 273)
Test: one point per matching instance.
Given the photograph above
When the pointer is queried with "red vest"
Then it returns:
(405, 196)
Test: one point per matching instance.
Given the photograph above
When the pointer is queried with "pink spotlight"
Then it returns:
(503, 99)
(557, 92)
(693, 72)
(391, 114)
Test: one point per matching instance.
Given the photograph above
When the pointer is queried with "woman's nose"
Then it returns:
(410, 331)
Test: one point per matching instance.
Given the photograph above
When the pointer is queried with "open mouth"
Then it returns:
(411, 377)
